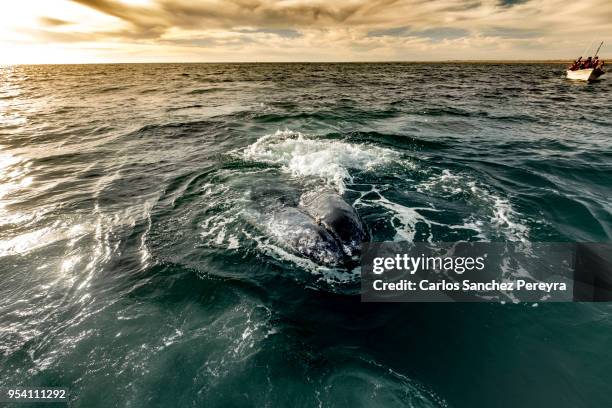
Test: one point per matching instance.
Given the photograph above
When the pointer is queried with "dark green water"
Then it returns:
(139, 266)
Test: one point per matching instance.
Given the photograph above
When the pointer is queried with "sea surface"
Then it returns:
(139, 267)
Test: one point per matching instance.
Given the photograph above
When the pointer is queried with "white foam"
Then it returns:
(446, 182)
(234, 243)
(329, 160)
(508, 220)
(501, 217)
(407, 217)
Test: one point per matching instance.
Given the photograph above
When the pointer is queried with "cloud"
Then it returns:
(281, 32)
(289, 16)
(508, 32)
(325, 29)
(162, 15)
(433, 34)
(437, 20)
(59, 36)
(390, 32)
(53, 22)
(510, 3)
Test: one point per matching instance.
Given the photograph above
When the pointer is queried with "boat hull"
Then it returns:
(584, 74)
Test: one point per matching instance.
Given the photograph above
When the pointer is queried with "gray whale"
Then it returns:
(321, 226)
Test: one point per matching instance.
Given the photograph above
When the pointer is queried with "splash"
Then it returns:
(329, 160)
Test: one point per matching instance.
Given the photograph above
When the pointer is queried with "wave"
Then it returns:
(395, 141)
(176, 108)
(201, 91)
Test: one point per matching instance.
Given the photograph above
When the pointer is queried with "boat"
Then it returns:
(592, 68)
(585, 74)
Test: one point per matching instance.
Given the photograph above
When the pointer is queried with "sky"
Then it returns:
(90, 31)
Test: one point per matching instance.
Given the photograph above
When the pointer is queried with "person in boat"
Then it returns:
(588, 64)
(595, 63)
(576, 64)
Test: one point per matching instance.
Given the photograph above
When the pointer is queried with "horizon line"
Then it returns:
(491, 61)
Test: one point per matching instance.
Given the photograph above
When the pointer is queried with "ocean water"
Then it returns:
(140, 266)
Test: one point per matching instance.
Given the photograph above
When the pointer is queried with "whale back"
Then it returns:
(299, 231)
(338, 217)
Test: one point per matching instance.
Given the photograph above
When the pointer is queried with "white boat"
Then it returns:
(585, 74)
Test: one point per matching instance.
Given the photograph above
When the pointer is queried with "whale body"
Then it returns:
(321, 226)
